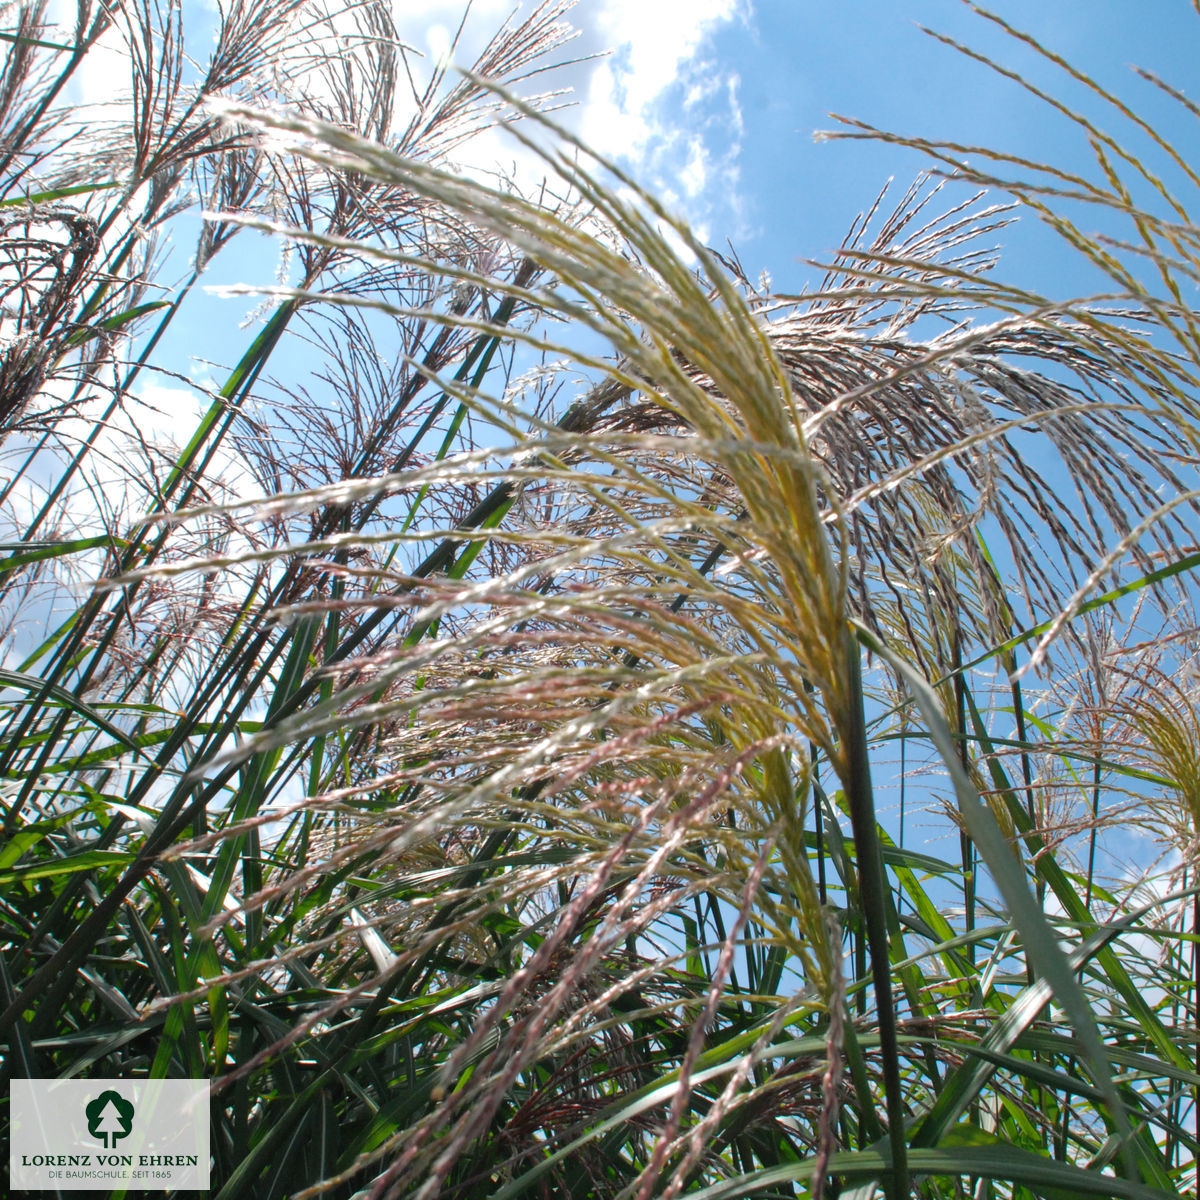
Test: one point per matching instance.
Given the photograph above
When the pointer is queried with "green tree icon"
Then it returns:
(109, 1117)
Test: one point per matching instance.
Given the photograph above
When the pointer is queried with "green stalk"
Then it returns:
(873, 886)
(964, 838)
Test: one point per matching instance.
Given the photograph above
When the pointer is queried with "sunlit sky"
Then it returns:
(713, 104)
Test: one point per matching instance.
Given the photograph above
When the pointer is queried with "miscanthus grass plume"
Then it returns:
(471, 758)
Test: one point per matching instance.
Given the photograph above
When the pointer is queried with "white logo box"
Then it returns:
(81, 1134)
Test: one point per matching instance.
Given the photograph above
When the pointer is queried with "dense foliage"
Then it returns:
(470, 756)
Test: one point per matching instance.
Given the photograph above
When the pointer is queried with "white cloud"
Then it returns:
(655, 44)
(696, 172)
(663, 104)
(104, 69)
(653, 97)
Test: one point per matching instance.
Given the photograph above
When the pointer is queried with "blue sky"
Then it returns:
(769, 72)
(776, 69)
(713, 104)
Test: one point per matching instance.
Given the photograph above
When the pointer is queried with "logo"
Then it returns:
(117, 1135)
(109, 1117)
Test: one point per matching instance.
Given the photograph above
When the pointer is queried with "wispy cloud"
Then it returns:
(662, 102)
(652, 94)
